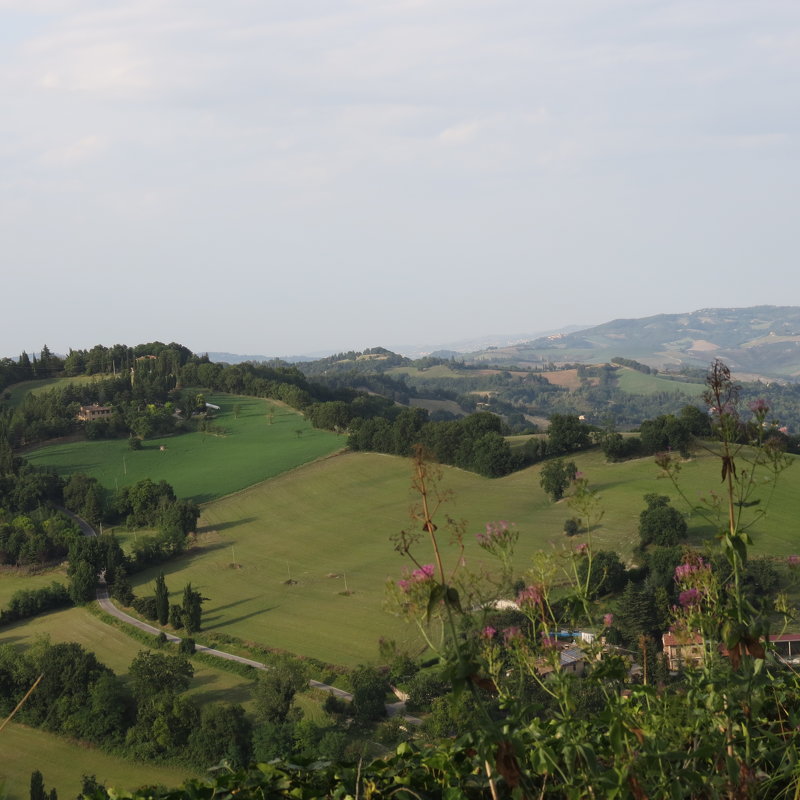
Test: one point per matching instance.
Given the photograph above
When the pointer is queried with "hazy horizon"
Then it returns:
(295, 178)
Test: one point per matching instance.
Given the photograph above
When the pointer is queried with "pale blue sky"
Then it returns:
(283, 177)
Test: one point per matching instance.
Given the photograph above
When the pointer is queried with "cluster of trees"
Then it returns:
(150, 718)
(187, 615)
(475, 443)
(637, 365)
(36, 537)
(26, 603)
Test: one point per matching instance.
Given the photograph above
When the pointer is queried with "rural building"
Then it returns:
(94, 412)
(683, 650)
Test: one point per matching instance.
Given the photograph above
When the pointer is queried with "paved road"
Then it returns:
(392, 709)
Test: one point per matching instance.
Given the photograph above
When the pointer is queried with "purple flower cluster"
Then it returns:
(530, 596)
(683, 571)
(496, 533)
(488, 632)
(421, 575)
(793, 561)
(759, 406)
(690, 597)
(509, 634)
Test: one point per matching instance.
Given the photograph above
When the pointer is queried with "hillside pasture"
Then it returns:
(246, 446)
(16, 393)
(300, 562)
(436, 371)
(116, 649)
(64, 763)
(13, 579)
(634, 382)
(438, 405)
(565, 378)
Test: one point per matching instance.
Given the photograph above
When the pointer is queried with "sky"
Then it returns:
(273, 177)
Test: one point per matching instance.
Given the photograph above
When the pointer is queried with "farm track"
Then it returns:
(104, 601)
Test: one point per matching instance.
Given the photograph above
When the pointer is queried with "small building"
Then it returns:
(683, 650)
(94, 412)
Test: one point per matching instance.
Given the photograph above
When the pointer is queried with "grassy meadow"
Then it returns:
(12, 580)
(301, 562)
(17, 391)
(64, 763)
(634, 382)
(116, 649)
(256, 441)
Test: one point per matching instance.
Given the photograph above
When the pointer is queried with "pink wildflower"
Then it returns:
(608, 620)
(582, 549)
(759, 406)
(530, 595)
(424, 573)
(783, 429)
(488, 632)
(509, 634)
(793, 561)
(691, 597)
(685, 570)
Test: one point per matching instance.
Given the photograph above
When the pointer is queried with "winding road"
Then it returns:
(392, 709)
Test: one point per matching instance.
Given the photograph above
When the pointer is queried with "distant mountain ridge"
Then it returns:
(759, 341)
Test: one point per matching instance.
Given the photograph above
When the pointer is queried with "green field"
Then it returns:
(17, 392)
(116, 650)
(12, 580)
(331, 520)
(634, 382)
(63, 763)
(437, 371)
(202, 466)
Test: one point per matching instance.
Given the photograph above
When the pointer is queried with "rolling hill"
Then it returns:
(756, 342)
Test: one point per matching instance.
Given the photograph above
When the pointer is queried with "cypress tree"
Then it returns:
(162, 599)
(37, 786)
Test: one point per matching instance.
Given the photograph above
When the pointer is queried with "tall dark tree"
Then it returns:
(162, 599)
(37, 786)
(192, 609)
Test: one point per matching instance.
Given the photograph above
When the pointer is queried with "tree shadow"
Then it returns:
(224, 526)
(242, 618)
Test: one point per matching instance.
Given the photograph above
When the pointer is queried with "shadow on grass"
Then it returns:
(231, 605)
(226, 622)
(223, 526)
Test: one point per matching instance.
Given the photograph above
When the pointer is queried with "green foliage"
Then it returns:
(572, 526)
(27, 603)
(37, 786)
(161, 599)
(602, 573)
(224, 733)
(274, 691)
(556, 476)
(153, 674)
(369, 693)
(566, 434)
(660, 523)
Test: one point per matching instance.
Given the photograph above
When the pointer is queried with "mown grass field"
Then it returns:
(17, 392)
(116, 649)
(247, 449)
(436, 371)
(635, 382)
(63, 764)
(12, 580)
(332, 520)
